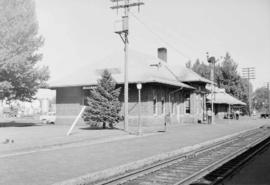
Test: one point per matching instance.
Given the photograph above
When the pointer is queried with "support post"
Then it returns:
(75, 121)
(139, 113)
(229, 115)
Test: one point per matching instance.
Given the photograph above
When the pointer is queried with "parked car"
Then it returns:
(265, 115)
(48, 118)
(10, 112)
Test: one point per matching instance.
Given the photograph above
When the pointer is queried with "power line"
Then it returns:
(177, 36)
(160, 38)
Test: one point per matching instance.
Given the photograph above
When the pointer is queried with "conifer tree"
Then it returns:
(226, 76)
(103, 103)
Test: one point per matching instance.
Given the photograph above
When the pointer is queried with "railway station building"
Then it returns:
(223, 102)
(167, 89)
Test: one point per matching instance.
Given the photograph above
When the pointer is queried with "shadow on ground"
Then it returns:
(18, 124)
(99, 128)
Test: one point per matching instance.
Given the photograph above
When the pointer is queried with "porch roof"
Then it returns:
(224, 98)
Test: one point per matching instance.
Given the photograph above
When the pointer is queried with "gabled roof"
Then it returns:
(142, 68)
(185, 74)
(221, 97)
(224, 98)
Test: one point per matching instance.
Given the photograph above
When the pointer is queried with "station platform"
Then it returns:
(61, 158)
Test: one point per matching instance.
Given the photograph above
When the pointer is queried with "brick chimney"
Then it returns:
(162, 54)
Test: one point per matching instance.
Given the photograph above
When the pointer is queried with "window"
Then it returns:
(162, 106)
(155, 105)
(155, 102)
(187, 103)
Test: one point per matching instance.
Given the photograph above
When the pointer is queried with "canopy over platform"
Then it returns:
(221, 97)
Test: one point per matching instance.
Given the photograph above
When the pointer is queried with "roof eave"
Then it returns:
(176, 84)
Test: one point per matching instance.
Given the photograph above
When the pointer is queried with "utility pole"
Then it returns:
(1, 102)
(212, 62)
(123, 33)
(268, 93)
(249, 74)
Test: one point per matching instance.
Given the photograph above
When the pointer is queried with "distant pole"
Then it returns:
(1, 102)
(125, 4)
(268, 93)
(249, 74)
(212, 61)
(212, 93)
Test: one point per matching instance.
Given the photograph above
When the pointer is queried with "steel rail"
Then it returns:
(218, 163)
(170, 161)
(239, 164)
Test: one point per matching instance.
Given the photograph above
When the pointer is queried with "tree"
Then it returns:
(226, 76)
(20, 75)
(232, 82)
(188, 64)
(260, 99)
(201, 68)
(230, 79)
(103, 103)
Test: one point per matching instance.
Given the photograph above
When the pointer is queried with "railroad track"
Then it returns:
(233, 166)
(189, 167)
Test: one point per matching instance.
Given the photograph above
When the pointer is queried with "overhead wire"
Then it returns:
(160, 38)
(176, 36)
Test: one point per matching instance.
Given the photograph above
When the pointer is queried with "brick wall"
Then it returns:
(197, 106)
(221, 109)
(161, 93)
(70, 100)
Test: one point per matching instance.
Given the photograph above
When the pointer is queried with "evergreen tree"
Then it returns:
(260, 99)
(226, 76)
(201, 68)
(20, 76)
(103, 103)
(188, 64)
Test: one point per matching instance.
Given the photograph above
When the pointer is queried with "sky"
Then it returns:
(79, 33)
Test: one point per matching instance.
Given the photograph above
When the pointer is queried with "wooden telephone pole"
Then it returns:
(249, 74)
(268, 97)
(212, 61)
(123, 33)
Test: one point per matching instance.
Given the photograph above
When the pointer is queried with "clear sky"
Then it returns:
(80, 32)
